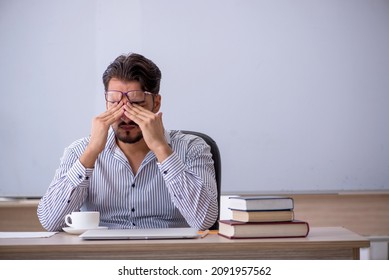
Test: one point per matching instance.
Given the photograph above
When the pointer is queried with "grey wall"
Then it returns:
(296, 93)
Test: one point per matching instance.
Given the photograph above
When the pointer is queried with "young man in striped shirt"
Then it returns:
(130, 169)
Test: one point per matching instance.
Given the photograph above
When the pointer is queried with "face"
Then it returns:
(126, 130)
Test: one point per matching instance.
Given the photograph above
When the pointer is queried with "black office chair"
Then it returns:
(218, 169)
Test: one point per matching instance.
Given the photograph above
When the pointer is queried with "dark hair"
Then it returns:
(134, 67)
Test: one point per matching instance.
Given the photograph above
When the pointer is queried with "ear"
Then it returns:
(157, 103)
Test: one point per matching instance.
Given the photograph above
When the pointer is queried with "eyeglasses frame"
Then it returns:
(126, 95)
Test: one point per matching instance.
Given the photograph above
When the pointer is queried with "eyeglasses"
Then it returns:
(133, 96)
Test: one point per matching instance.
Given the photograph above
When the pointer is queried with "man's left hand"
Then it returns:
(152, 129)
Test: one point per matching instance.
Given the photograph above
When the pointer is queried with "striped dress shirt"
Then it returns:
(179, 192)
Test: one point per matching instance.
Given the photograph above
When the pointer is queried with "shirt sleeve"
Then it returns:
(192, 184)
(66, 193)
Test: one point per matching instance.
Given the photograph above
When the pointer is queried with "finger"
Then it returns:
(137, 108)
(133, 116)
(116, 115)
(139, 111)
(115, 107)
(131, 109)
(131, 112)
(152, 119)
(113, 111)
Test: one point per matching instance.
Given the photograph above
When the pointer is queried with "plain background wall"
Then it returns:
(296, 93)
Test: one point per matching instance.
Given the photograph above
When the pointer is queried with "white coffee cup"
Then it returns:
(83, 219)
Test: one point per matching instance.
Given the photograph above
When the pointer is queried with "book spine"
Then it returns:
(263, 237)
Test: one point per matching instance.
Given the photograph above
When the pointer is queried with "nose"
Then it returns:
(124, 98)
(124, 118)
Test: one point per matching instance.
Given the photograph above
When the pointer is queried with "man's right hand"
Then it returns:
(99, 134)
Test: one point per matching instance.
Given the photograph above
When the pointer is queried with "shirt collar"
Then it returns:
(167, 137)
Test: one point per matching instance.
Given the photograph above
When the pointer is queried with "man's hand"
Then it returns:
(99, 134)
(152, 129)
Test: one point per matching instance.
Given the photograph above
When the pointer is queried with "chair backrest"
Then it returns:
(218, 168)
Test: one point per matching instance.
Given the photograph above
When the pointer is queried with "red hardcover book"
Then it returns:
(233, 229)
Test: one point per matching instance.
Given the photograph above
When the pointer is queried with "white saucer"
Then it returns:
(79, 230)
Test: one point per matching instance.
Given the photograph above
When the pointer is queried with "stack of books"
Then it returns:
(262, 217)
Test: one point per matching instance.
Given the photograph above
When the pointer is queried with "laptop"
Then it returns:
(137, 234)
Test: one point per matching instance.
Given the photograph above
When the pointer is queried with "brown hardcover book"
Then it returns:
(261, 203)
(262, 216)
(232, 229)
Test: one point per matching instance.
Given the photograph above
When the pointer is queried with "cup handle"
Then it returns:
(68, 220)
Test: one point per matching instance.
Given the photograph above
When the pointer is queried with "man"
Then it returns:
(130, 169)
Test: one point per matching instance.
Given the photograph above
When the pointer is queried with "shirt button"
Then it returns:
(165, 172)
(133, 210)
(133, 185)
(79, 176)
(133, 224)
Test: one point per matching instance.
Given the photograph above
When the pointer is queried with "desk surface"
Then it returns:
(321, 243)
